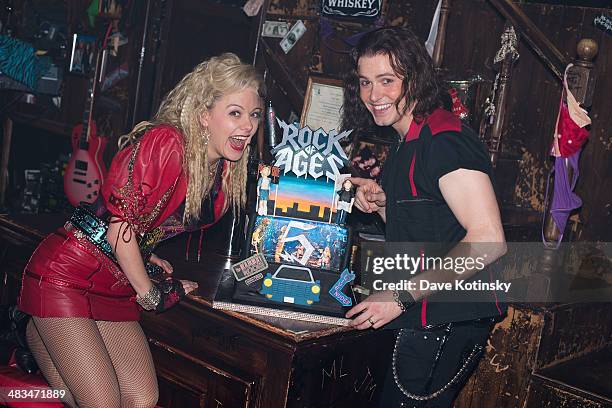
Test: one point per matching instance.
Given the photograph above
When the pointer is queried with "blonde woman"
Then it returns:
(181, 171)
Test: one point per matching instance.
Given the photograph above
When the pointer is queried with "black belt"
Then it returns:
(94, 229)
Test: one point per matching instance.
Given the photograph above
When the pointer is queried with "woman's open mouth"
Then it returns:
(238, 143)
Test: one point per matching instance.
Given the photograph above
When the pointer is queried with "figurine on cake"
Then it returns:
(345, 197)
(263, 190)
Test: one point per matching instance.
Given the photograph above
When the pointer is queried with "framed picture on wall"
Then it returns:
(323, 103)
(83, 55)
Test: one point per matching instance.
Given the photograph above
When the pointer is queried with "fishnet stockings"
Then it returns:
(102, 364)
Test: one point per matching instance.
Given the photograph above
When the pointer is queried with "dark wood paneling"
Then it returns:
(547, 394)
(212, 342)
(502, 376)
(195, 31)
(188, 382)
(596, 161)
(332, 375)
(574, 331)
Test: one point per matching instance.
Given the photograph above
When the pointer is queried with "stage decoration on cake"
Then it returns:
(305, 243)
(266, 187)
(263, 190)
(249, 267)
(335, 291)
(304, 199)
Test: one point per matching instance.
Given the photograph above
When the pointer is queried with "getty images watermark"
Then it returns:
(469, 272)
(407, 264)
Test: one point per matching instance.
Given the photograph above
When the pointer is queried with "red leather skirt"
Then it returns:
(67, 276)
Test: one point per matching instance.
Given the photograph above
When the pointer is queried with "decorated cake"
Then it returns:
(298, 245)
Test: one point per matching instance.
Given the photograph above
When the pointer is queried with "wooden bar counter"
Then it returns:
(214, 358)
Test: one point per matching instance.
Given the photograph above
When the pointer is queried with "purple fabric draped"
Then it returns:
(325, 28)
(564, 199)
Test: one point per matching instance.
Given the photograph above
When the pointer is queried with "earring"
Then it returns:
(205, 136)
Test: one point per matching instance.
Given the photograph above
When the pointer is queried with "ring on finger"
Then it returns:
(370, 320)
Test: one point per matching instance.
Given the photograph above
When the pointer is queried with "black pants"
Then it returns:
(427, 360)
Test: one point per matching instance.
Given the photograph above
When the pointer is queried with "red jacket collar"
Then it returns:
(439, 121)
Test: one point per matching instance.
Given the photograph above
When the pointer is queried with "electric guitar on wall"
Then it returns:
(85, 170)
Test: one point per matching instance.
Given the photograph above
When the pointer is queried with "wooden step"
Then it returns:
(572, 331)
(579, 383)
(588, 377)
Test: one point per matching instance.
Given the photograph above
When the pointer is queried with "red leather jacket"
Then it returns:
(67, 276)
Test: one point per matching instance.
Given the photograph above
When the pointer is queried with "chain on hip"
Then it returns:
(475, 351)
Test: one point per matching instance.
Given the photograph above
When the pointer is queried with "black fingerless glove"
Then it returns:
(162, 296)
(25, 360)
(171, 291)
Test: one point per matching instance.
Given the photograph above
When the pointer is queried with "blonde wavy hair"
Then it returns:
(182, 108)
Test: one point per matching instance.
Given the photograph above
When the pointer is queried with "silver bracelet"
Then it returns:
(151, 299)
(396, 297)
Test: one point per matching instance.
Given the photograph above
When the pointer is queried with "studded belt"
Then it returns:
(93, 228)
(85, 224)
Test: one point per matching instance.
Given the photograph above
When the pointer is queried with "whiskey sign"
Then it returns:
(351, 8)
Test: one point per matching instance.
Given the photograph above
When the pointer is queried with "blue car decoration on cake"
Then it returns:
(291, 284)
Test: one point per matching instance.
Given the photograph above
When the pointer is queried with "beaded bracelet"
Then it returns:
(151, 299)
(404, 301)
(398, 301)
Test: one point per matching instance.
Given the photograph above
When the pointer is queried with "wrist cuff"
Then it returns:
(404, 299)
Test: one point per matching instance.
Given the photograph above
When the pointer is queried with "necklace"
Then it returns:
(212, 168)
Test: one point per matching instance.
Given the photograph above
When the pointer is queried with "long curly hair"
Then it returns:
(409, 60)
(182, 108)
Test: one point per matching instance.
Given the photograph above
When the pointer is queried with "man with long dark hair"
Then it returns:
(436, 188)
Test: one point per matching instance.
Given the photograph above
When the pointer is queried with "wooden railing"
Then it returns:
(537, 40)
(581, 83)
